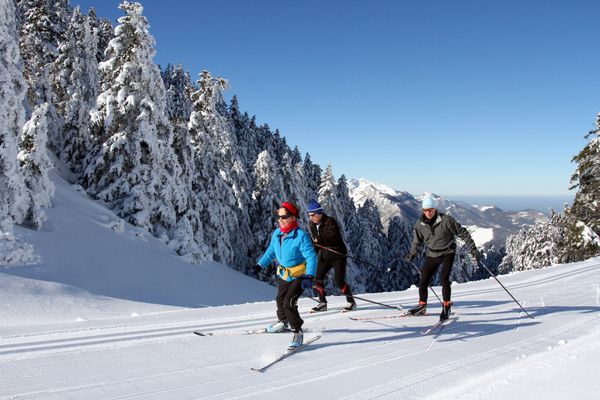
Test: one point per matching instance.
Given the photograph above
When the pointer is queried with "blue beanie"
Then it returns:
(428, 202)
(314, 207)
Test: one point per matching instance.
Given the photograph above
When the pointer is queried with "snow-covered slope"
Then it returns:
(90, 264)
(492, 350)
(487, 224)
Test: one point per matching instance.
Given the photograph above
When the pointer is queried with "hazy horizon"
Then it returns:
(542, 203)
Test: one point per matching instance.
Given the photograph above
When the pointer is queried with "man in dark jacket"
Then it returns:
(437, 231)
(332, 253)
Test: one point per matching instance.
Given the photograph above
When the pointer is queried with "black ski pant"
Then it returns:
(339, 269)
(287, 299)
(429, 268)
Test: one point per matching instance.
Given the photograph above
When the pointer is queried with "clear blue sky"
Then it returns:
(455, 97)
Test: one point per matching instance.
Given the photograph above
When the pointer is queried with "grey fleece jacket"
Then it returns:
(439, 237)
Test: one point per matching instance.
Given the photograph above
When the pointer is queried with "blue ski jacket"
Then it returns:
(294, 253)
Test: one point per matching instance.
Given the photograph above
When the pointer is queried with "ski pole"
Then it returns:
(513, 297)
(346, 255)
(398, 307)
(430, 287)
(310, 297)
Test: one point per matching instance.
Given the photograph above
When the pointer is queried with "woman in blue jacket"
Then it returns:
(293, 249)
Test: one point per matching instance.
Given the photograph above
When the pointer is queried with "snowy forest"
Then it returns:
(169, 155)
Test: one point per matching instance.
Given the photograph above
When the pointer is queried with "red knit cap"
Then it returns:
(291, 208)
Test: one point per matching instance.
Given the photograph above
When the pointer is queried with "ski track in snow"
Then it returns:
(158, 357)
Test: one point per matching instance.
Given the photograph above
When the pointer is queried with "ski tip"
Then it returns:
(202, 333)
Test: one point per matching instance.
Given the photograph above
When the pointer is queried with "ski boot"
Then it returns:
(350, 306)
(445, 314)
(420, 310)
(277, 327)
(297, 340)
(322, 306)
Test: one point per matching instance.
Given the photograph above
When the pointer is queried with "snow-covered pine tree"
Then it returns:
(219, 181)
(34, 165)
(104, 32)
(76, 84)
(586, 179)
(43, 24)
(399, 274)
(189, 233)
(464, 267)
(312, 173)
(179, 91)
(537, 246)
(13, 194)
(351, 231)
(580, 241)
(328, 196)
(372, 247)
(134, 169)
(266, 198)
(294, 183)
(190, 229)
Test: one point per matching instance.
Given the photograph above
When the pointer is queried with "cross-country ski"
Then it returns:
(288, 353)
(405, 315)
(439, 325)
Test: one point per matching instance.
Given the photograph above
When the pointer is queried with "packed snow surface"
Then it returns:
(492, 351)
(107, 312)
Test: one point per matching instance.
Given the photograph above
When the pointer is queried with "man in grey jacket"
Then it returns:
(438, 232)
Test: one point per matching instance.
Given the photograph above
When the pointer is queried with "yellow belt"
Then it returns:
(294, 272)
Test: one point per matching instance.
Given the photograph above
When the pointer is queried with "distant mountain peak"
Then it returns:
(489, 219)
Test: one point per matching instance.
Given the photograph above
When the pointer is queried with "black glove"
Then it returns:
(268, 271)
(410, 257)
(476, 254)
(256, 269)
(307, 282)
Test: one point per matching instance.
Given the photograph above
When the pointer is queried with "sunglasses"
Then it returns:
(286, 216)
(428, 210)
(312, 214)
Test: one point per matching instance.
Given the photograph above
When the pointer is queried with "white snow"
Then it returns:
(108, 314)
(480, 236)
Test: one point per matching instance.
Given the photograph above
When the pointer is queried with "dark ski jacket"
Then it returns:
(439, 236)
(327, 234)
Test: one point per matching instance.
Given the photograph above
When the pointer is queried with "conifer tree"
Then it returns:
(399, 274)
(266, 197)
(134, 169)
(312, 173)
(586, 179)
(372, 246)
(220, 182)
(103, 30)
(76, 85)
(536, 246)
(348, 218)
(43, 24)
(179, 90)
(13, 195)
(328, 194)
(350, 225)
(34, 166)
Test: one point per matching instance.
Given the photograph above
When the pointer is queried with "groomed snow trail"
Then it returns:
(491, 349)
